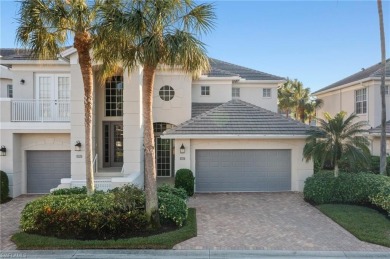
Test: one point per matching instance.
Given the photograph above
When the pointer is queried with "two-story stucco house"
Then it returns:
(223, 126)
(360, 94)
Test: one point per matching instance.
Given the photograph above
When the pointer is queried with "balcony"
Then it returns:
(40, 111)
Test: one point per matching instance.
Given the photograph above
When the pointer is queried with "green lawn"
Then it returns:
(366, 224)
(161, 241)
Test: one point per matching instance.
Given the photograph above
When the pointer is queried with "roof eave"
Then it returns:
(34, 62)
(246, 81)
(217, 78)
(231, 136)
(68, 52)
(345, 85)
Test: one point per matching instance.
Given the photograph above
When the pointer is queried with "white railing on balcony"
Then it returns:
(40, 110)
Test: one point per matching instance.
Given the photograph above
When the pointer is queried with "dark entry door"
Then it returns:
(113, 144)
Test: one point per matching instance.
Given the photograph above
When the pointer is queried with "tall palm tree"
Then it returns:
(285, 101)
(336, 139)
(45, 27)
(383, 162)
(154, 33)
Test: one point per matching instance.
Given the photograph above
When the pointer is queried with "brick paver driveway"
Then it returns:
(9, 221)
(272, 221)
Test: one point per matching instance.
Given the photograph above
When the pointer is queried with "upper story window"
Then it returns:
(235, 92)
(267, 92)
(361, 101)
(386, 89)
(166, 93)
(10, 91)
(205, 90)
(114, 96)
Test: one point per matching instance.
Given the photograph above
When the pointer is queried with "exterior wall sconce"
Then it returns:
(182, 149)
(3, 151)
(77, 147)
(22, 81)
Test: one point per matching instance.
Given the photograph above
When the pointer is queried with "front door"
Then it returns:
(113, 144)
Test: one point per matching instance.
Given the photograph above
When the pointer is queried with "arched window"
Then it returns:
(114, 96)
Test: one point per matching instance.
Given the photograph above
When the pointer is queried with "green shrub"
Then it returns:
(356, 188)
(4, 187)
(179, 192)
(128, 197)
(382, 199)
(79, 216)
(185, 179)
(68, 191)
(172, 208)
(373, 166)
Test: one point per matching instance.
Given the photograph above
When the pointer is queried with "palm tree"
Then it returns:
(154, 34)
(383, 162)
(45, 27)
(336, 139)
(285, 101)
(311, 108)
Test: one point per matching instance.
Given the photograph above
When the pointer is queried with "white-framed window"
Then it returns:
(235, 92)
(361, 101)
(267, 92)
(205, 90)
(10, 91)
(386, 89)
(114, 96)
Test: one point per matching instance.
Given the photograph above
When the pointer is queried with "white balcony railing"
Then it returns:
(40, 110)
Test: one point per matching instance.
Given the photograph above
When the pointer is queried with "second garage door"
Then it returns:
(45, 170)
(243, 170)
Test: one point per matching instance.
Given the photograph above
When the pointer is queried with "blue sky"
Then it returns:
(317, 42)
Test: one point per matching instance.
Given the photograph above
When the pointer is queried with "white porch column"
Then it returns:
(133, 160)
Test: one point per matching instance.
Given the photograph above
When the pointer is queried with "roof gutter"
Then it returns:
(34, 62)
(232, 136)
(346, 85)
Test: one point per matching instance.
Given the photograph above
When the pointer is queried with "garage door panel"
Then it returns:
(243, 170)
(45, 170)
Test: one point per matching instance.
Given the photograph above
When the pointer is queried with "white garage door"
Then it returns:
(243, 170)
(45, 170)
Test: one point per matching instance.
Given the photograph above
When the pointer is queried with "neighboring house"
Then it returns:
(360, 94)
(213, 125)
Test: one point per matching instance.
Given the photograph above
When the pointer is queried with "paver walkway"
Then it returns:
(269, 221)
(9, 220)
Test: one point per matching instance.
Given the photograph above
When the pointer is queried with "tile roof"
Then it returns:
(237, 117)
(224, 69)
(19, 54)
(377, 130)
(373, 71)
(199, 108)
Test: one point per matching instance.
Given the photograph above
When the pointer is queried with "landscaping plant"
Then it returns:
(4, 187)
(184, 178)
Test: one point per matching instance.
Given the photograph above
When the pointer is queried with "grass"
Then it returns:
(364, 223)
(161, 241)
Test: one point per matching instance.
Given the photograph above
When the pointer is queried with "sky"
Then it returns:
(316, 42)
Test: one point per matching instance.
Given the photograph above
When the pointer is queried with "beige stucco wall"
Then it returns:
(17, 143)
(376, 145)
(253, 93)
(220, 91)
(178, 109)
(344, 100)
(300, 169)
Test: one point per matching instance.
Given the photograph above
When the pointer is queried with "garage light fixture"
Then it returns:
(77, 147)
(22, 81)
(182, 149)
(3, 151)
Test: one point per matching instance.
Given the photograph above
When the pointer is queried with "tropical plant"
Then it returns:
(337, 138)
(153, 34)
(45, 27)
(383, 94)
(295, 99)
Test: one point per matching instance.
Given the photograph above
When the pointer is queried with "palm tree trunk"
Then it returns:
(82, 43)
(150, 160)
(383, 117)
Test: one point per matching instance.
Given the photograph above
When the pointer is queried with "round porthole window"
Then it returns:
(166, 93)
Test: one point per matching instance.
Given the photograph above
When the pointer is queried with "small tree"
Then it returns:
(336, 139)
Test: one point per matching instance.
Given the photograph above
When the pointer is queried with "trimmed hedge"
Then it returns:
(357, 188)
(382, 199)
(118, 213)
(4, 187)
(179, 192)
(185, 179)
(373, 167)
